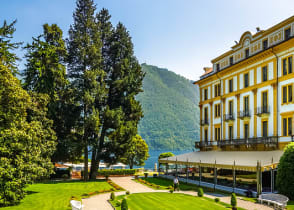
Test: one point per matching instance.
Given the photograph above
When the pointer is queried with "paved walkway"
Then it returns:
(101, 201)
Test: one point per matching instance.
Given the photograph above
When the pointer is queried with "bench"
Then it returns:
(76, 205)
(277, 200)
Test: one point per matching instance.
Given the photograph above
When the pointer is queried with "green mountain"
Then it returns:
(171, 112)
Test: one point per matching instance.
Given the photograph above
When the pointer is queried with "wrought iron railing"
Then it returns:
(269, 140)
(229, 117)
(262, 110)
(245, 113)
(203, 144)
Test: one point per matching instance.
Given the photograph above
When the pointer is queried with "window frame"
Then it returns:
(231, 85)
(244, 104)
(262, 125)
(247, 53)
(286, 67)
(248, 131)
(263, 45)
(246, 74)
(262, 71)
(285, 95)
(205, 94)
(285, 34)
(286, 118)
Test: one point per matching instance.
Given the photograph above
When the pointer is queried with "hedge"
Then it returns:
(105, 172)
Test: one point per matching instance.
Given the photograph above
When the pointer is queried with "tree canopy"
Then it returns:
(285, 183)
(165, 155)
(26, 138)
(137, 152)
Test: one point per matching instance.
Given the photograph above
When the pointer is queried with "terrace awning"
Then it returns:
(240, 160)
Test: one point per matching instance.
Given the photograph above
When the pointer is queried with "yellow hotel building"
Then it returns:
(246, 98)
(246, 115)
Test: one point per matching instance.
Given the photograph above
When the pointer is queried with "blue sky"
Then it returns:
(181, 35)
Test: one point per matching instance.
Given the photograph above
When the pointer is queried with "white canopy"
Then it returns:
(240, 160)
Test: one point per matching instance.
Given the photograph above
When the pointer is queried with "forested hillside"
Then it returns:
(171, 113)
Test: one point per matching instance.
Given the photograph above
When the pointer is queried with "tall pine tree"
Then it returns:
(122, 112)
(46, 73)
(84, 46)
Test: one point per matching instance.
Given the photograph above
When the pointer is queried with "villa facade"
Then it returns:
(246, 115)
(246, 98)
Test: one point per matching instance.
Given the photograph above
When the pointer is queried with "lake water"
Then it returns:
(149, 164)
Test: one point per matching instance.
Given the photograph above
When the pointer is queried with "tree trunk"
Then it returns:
(86, 176)
(95, 163)
(93, 160)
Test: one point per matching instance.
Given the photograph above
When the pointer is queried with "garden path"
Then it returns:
(101, 201)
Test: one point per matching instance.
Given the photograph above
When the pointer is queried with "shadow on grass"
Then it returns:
(31, 192)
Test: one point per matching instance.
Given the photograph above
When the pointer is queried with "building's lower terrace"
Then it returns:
(232, 171)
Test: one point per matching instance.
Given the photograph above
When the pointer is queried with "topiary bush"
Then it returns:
(200, 192)
(146, 175)
(128, 192)
(112, 196)
(234, 201)
(124, 205)
(216, 200)
(285, 180)
(171, 190)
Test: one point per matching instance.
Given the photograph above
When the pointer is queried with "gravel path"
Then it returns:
(101, 201)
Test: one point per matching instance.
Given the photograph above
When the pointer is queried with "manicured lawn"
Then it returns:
(56, 195)
(165, 183)
(290, 205)
(153, 201)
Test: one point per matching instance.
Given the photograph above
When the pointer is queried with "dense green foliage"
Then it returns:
(112, 196)
(285, 180)
(233, 201)
(26, 138)
(108, 172)
(136, 153)
(48, 76)
(171, 112)
(124, 204)
(57, 195)
(163, 201)
(165, 155)
(200, 192)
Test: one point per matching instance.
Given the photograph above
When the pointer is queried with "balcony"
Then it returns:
(262, 110)
(229, 117)
(203, 144)
(271, 141)
(244, 114)
(204, 122)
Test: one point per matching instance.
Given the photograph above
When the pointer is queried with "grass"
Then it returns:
(152, 201)
(56, 195)
(165, 183)
(290, 205)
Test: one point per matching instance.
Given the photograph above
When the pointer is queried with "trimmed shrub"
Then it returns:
(285, 183)
(146, 175)
(106, 176)
(110, 172)
(124, 205)
(128, 192)
(171, 190)
(234, 201)
(216, 200)
(112, 196)
(200, 192)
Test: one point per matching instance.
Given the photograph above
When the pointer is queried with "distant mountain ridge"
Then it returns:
(171, 112)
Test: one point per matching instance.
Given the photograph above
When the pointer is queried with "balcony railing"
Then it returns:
(269, 141)
(262, 110)
(228, 117)
(203, 144)
(205, 122)
(243, 114)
